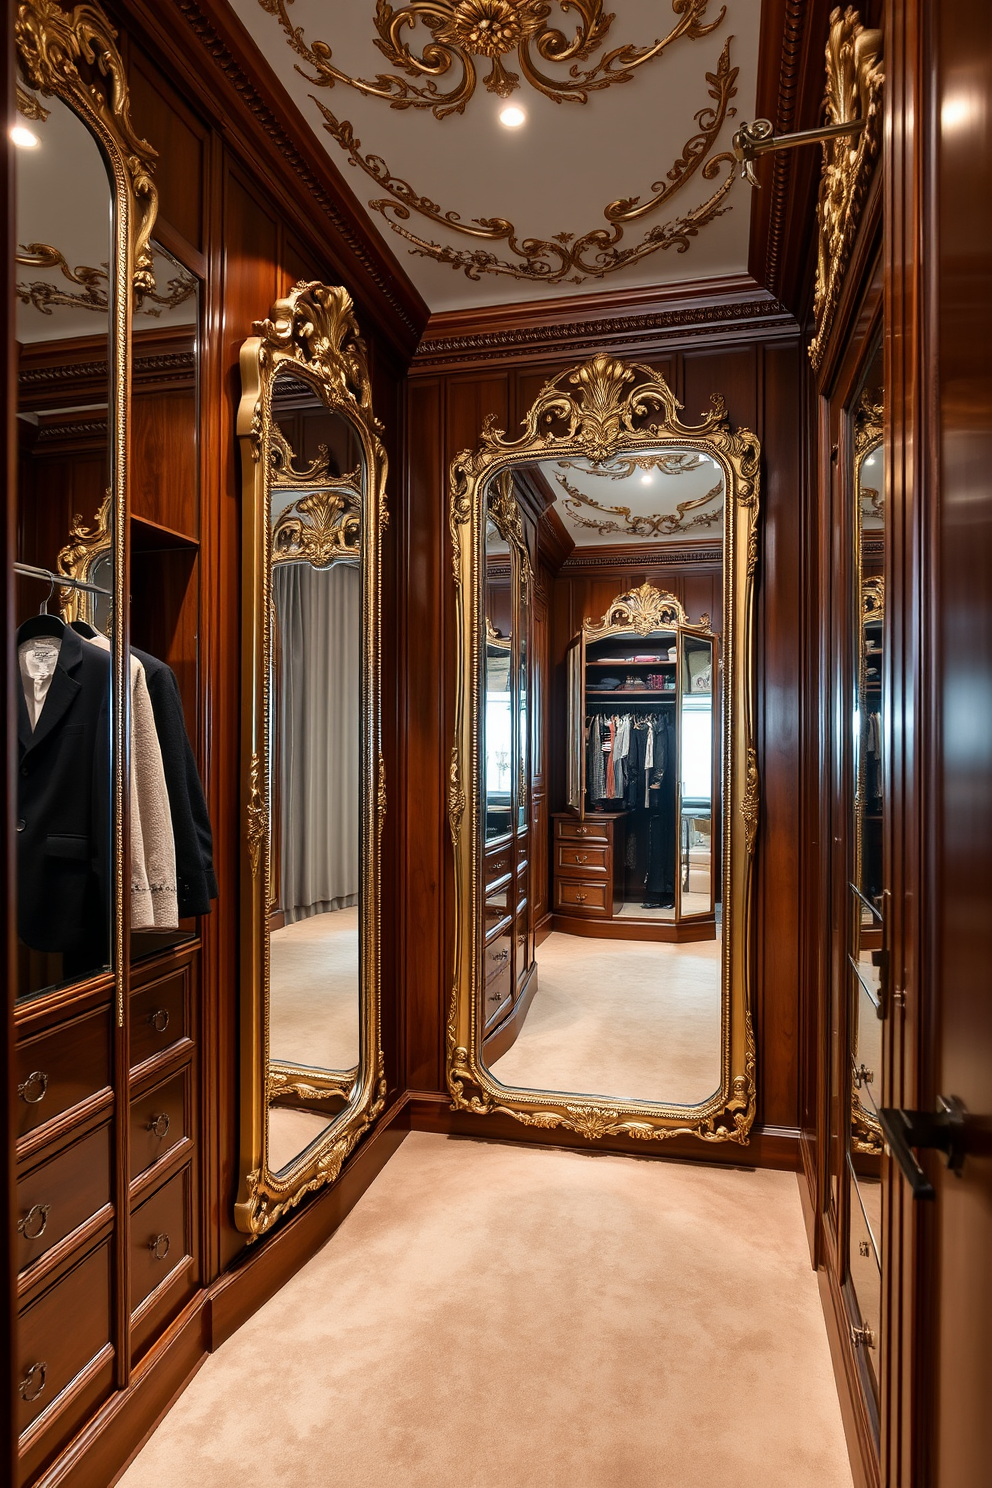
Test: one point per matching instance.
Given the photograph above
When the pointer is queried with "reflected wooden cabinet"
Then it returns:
(589, 861)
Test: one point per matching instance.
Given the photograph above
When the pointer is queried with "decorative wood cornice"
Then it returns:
(649, 559)
(64, 374)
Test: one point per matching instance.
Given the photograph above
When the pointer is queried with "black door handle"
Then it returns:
(943, 1129)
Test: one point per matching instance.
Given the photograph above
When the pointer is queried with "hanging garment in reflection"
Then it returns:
(154, 904)
(660, 878)
(873, 730)
(63, 798)
(316, 680)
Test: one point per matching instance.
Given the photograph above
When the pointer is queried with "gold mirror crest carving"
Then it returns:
(600, 413)
(310, 338)
(854, 91)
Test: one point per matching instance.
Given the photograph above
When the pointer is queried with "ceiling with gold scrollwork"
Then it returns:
(619, 177)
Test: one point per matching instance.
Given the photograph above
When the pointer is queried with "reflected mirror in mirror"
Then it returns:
(612, 863)
(316, 503)
(64, 223)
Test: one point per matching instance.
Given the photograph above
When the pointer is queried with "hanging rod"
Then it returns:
(28, 571)
(759, 138)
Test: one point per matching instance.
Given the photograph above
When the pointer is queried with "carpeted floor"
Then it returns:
(629, 1019)
(314, 991)
(494, 1314)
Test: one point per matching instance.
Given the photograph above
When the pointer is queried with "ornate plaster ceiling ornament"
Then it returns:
(594, 254)
(461, 30)
(664, 524)
(94, 292)
(678, 464)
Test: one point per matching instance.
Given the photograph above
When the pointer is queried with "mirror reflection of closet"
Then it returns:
(315, 765)
(867, 895)
(64, 232)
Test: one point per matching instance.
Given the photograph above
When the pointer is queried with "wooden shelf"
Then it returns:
(152, 537)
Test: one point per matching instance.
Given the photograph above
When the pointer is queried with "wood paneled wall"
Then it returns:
(762, 384)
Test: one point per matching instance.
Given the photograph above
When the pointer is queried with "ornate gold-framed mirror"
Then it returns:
(313, 470)
(619, 420)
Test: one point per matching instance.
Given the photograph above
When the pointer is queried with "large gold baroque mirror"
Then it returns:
(603, 794)
(313, 471)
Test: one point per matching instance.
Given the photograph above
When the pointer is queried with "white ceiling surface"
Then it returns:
(559, 170)
(653, 494)
(63, 200)
(872, 479)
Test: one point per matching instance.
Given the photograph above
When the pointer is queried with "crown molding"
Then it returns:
(624, 322)
(71, 373)
(705, 554)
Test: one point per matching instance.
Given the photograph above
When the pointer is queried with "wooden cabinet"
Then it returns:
(589, 865)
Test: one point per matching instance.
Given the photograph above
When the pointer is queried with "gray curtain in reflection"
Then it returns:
(317, 666)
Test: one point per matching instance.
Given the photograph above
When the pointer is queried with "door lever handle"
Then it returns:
(943, 1129)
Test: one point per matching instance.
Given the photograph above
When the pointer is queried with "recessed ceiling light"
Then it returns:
(23, 138)
(647, 480)
(512, 117)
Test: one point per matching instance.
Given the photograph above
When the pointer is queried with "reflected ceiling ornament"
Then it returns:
(664, 524)
(31, 107)
(565, 256)
(461, 30)
(854, 91)
(94, 293)
(872, 600)
(677, 464)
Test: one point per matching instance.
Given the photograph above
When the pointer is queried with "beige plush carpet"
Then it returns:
(630, 1019)
(314, 991)
(492, 1314)
(290, 1132)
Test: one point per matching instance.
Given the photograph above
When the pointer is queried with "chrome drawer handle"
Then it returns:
(40, 1370)
(159, 1125)
(159, 1247)
(159, 1019)
(38, 1078)
(35, 1213)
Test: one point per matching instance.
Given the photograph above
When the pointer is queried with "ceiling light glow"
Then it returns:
(512, 117)
(23, 138)
(647, 480)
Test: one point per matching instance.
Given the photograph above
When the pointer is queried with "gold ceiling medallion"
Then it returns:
(677, 464)
(320, 529)
(662, 524)
(52, 46)
(604, 411)
(95, 291)
(854, 91)
(491, 29)
(564, 256)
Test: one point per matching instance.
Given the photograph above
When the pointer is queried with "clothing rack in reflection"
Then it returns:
(62, 581)
(599, 699)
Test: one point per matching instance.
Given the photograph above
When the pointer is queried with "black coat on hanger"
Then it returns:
(63, 806)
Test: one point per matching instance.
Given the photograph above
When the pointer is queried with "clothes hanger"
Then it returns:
(43, 624)
(83, 628)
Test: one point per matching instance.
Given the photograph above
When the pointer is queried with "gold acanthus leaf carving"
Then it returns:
(642, 525)
(456, 797)
(461, 30)
(750, 802)
(320, 528)
(315, 327)
(854, 91)
(51, 45)
(564, 256)
(256, 815)
(869, 423)
(643, 609)
(505, 513)
(29, 107)
(872, 600)
(380, 798)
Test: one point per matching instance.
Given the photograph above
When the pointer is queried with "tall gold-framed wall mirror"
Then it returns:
(314, 472)
(603, 791)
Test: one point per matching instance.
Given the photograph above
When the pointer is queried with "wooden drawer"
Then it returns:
(498, 863)
(496, 996)
(578, 897)
(62, 1333)
(159, 1122)
(499, 899)
(589, 830)
(61, 1194)
(159, 1016)
(496, 955)
(161, 1236)
(494, 914)
(579, 861)
(59, 1069)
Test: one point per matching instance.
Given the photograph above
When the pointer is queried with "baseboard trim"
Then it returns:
(773, 1147)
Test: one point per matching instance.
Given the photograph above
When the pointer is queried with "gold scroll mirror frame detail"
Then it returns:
(598, 411)
(73, 56)
(312, 333)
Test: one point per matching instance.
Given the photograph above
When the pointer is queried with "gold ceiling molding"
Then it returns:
(30, 107)
(664, 524)
(854, 91)
(677, 464)
(461, 30)
(95, 291)
(565, 257)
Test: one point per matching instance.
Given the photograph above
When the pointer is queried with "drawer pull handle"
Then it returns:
(581, 857)
(29, 1226)
(580, 898)
(39, 1372)
(38, 1079)
(159, 1247)
(581, 831)
(862, 1337)
(500, 956)
(864, 1249)
(159, 1125)
(159, 1019)
(862, 1077)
